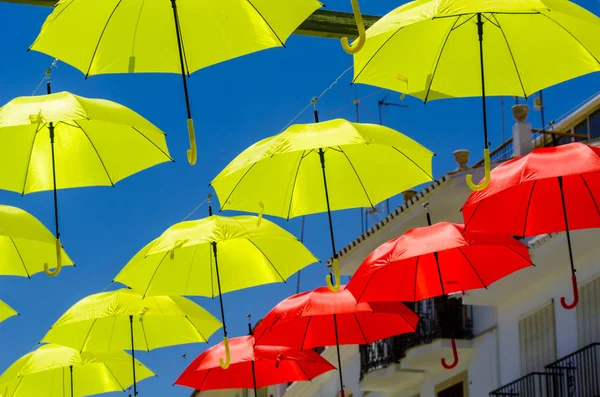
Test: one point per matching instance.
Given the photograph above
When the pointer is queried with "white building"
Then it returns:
(515, 339)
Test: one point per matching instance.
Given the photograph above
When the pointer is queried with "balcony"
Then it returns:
(536, 384)
(435, 326)
(579, 372)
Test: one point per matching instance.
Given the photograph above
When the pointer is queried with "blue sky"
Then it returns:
(234, 104)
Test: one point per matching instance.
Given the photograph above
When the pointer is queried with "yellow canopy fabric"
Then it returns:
(25, 243)
(364, 163)
(6, 312)
(101, 322)
(97, 143)
(127, 36)
(180, 261)
(430, 48)
(46, 372)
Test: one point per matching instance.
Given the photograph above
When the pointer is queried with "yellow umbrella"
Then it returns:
(312, 168)
(6, 312)
(26, 246)
(213, 256)
(123, 319)
(435, 49)
(58, 371)
(61, 141)
(138, 36)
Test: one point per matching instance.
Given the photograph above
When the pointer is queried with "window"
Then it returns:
(581, 129)
(595, 124)
(537, 340)
(454, 387)
(588, 313)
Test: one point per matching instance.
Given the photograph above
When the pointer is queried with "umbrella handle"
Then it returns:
(455, 356)
(362, 34)
(58, 261)
(336, 273)
(563, 301)
(225, 364)
(191, 153)
(261, 213)
(486, 179)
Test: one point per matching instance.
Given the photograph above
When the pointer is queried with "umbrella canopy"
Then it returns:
(137, 36)
(328, 166)
(252, 366)
(42, 137)
(6, 312)
(123, 319)
(25, 244)
(101, 322)
(406, 268)
(549, 190)
(213, 256)
(326, 318)
(434, 49)
(59, 371)
(181, 261)
(284, 172)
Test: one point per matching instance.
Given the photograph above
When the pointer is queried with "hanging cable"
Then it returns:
(46, 76)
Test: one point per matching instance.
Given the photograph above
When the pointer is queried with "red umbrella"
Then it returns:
(252, 366)
(435, 261)
(325, 318)
(549, 190)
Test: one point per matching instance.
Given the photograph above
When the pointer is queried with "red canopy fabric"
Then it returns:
(524, 197)
(405, 269)
(273, 365)
(306, 320)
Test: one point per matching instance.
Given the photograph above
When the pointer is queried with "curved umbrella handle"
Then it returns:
(191, 153)
(563, 301)
(336, 273)
(455, 356)
(486, 179)
(225, 364)
(58, 261)
(362, 34)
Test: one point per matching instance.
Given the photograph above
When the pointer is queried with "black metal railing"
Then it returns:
(435, 323)
(580, 372)
(536, 384)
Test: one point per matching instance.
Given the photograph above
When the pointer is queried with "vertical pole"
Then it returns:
(483, 102)
(181, 58)
(339, 357)
(135, 393)
(71, 371)
(51, 130)
(254, 379)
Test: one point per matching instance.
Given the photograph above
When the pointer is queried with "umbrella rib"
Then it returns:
(154, 144)
(54, 20)
(303, 371)
(472, 215)
(144, 333)
(590, 192)
(366, 285)
(357, 176)
(294, 184)
(88, 335)
(375, 54)
(187, 283)
(305, 333)
(96, 151)
(236, 186)
(197, 330)
(203, 380)
(437, 62)
(473, 267)
(511, 56)
(360, 328)
(412, 161)
(154, 274)
(267, 258)
(20, 257)
(100, 38)
(527, 209)
(267, 22)
(573, 36)
(29, 161)
(114, 377)
(517, 252)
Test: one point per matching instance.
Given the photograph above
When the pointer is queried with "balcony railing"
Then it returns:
(434, 324)
(536, 384)
(580, 372)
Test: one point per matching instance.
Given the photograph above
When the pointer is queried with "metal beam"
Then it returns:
(322, 23)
